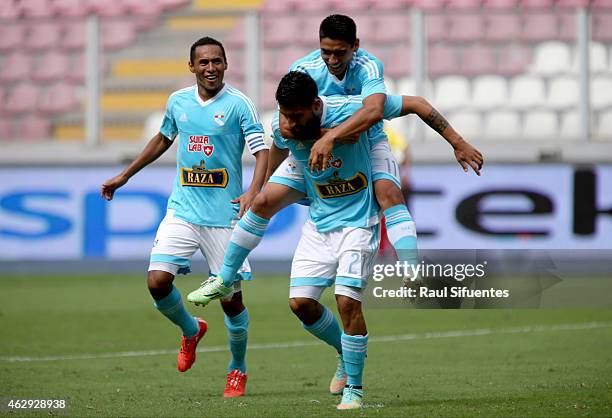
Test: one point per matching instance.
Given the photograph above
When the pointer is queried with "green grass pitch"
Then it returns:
(554, 370)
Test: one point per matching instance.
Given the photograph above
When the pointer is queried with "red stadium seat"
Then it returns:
(464, 4)
(107, 8)
(572, 3)
(399, 63)
(466, 27)
(277, 6)
(351, 5)
(310, 31)
(502, 27)
(52, 66)
(391, 4)
(17, 66)
(540, 27)
(284, 60)
(143, 8)
(567, 27)
(36, 8)
(9, 9)
(601, 4)
(75, 36)
(11, 36)
(235, 39)
(6, 131)
(173, 4)
(537, 4)
(436, 27)
(267, 97)
(281, 31)
(430, 5)
(500, 4)
(442, 60)
(70, 8)
(478, 59)
(602, 27)
(22, 99)
(43, 35)
(314, 6)
(117, 34)
(58, 98)
(390, 29)
(34, 127)
(76, 72)
(513, 59)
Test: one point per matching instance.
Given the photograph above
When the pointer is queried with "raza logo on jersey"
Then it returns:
(199, 176)
(200, 143)
(338, 187)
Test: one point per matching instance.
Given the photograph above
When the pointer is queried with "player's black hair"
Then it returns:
(296, 89)
(207, 40)
(339, 28)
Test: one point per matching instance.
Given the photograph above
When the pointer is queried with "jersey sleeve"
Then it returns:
(251, 126)
(168, 127)
(279, 141)
(393, 107)
(371, 76)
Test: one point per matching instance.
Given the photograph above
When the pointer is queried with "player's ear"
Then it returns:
(191, 67)
(317, 105)
(356, 45)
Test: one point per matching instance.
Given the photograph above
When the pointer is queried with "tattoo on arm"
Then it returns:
(436, 121)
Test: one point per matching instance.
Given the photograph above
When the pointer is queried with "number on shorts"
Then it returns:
(356, 258)
(392, 167)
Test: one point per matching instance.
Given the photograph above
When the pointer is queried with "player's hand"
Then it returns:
(467, 155)
(321, 152)
(109, 186)
(245, 201)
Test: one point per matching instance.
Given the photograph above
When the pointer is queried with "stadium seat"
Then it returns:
(285, 58)
(407, 86)
(551, 58)
(52, 66)
(539, 125)
(465, 28)
(570, 126)
(17, 66)
(478, 59)
(604, 126)
(567, 27)
(23, 98)
(489, 91)
(310, 31)
(58, 98)
(601, 91)
(314, 6)
(602, 27)
(436, 26)
(6, 131)
(11, 36)
(235, 39)
(34, 127)
(142, 8)
(389, 29)
(75, 36)
(502, 125)
(43, 35)
(463, 4)
(452, 92)
(117, 34)
(9, 10)
(174, 4)
(500, 4)
(351, 6)
(69, 8)
(537, 4)
(526, 91)
(36, 8)
(442, 60)
(540, 27)
(502, 27)
(598, 58)
(467, 123)
(430, 5)
(572, 4)
(563, 92)
(76, 71)
(276, 6)
(399, 64)
(513, 59)
(601, 4)
(280, 32)
(391, 4)
(107, 8)
(267, 95)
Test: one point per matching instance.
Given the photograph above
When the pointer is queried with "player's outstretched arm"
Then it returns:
(465, 153)
(259, 177)
(362, 120)
(152, 151)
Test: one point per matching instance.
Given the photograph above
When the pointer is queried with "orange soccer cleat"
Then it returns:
(235, 385)
(187, 353)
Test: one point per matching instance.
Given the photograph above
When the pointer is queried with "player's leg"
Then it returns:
(356, 249)
(313, 267)
(283, 188)
(401, 229)
(175, 243)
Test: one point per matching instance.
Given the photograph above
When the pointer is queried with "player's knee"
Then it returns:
(158, 280)
(262, 206)
(233, 306)
(303, 308)
(388, 194)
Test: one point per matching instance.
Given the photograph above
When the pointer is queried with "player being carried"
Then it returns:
(212, 121)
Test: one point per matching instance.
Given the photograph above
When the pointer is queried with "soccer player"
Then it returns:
(212, 121)
(250, 229)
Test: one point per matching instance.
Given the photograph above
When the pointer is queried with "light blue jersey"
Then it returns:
(211, 138)
(342, 195)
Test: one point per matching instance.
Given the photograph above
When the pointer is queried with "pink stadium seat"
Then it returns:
(466, 27)
(34, 127)
(430, 5)
(22, 99)
(502, 27)
(276, 6)
(117, 34)
(367, 26)
(314, 6)
(267, 96)
(143, 8)
(75, 34)
(280, 32)
(567, 27)
(540, 27)
(513, 59)
(76, 71)
(6, 131)
(351, 5)
(572, 3)
(602, 27)
(537, 4)
(173, 4)
(464, 4)
(58, 98)
(500, 4)
(390, 29)
(310, 31)
(70, 8)
(436, 27)
(442, 60)
(43, 35)
(601, 4)
(391, 4)
(285, 58)
(9, 9)
(11, 36)
(478, 60)
(36, 8)
(235, 39)
(398, 64)
(107, 8)
(17, 66)
(51, 66)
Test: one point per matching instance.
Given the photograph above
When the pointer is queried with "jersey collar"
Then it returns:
(212, 99)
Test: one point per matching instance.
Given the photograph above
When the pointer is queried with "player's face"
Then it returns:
(302, 122)
(209, 67)
(337, 55)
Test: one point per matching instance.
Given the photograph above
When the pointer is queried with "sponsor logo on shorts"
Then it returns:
(339, 187)
(199, 176)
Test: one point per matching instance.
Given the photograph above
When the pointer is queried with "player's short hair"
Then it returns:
(338, 27)
(296, 89)
(207, 40)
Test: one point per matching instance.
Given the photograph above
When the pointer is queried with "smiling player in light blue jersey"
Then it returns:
(211, 122)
